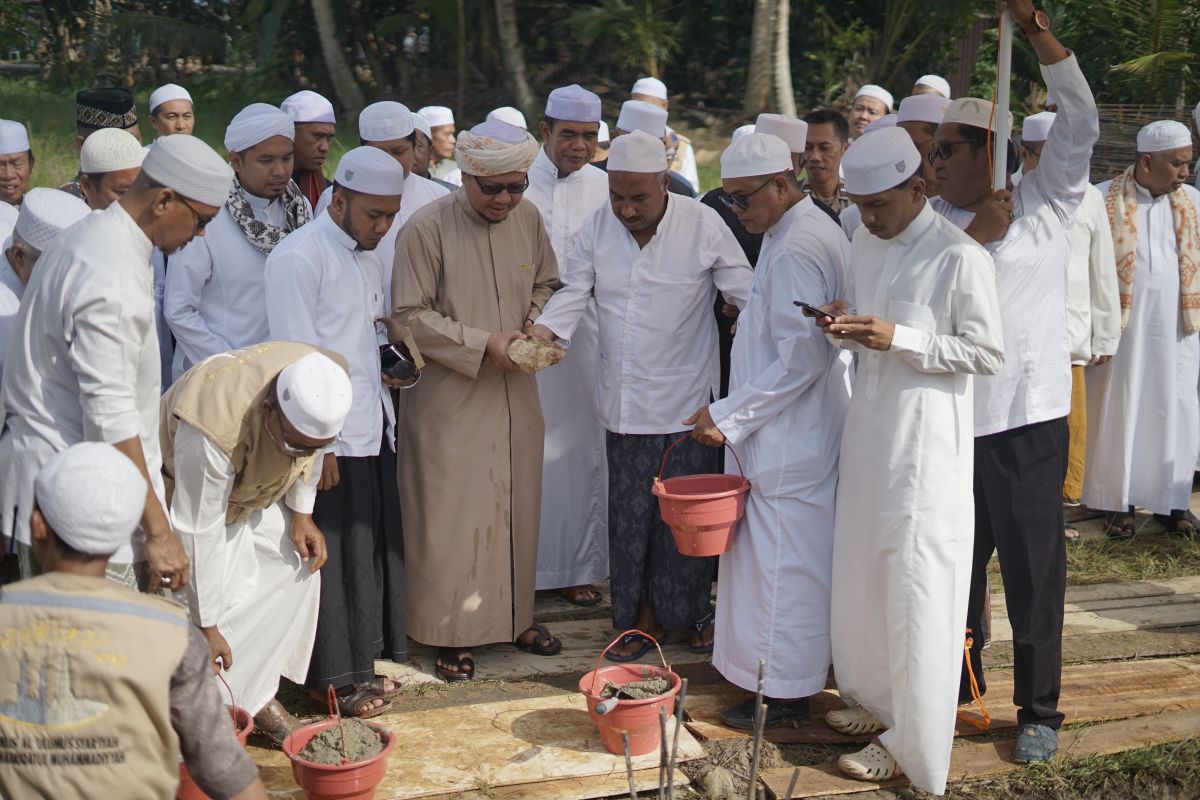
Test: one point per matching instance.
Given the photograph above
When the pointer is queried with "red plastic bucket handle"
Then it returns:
(232, 700)
(686, 436)
(613, 643)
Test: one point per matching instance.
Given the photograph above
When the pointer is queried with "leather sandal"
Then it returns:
(378, 682)
(455, 655)
(544, 644)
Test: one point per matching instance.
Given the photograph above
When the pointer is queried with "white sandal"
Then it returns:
(872, 763)
(856, 721)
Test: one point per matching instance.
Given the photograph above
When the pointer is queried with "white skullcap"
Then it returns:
(973, 111)
(922, 108)
(421, 124)
(110, 149)
(494, 148)
(740, 131)
(510, 115)
(13, 137)
(371, 171)
(306, 106)
(46, 213)
(877, 92)
(602, 135)
(1036, 127)
(437, 115)
(935, 82)
(256, 123)
(756, 154)
(794, 132)
(638, 115)
(886, 121)
(651, 87)
(1165, 134)
(92, 496)
(190, 167)
(385, 121)
(880, 160)
(573, 104)
(314, 392)
(166, 93)
(637, 152)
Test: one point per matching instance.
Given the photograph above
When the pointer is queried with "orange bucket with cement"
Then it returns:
(637, 718)
(243, 721)
(702, 511)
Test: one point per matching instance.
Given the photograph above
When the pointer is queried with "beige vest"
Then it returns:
(222, 397)
(85, 676)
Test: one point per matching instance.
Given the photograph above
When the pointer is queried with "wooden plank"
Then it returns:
(487, 745)
(645, 780)
(1113, 620)
(1118, 646)
(972, 760)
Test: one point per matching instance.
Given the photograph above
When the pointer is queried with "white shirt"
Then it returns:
(565, 202)
(323, 291)
(1093, 296)
(8, 220)
(851, 220)
(1034, 385)
(658, 336)
(82, 363)
(11, 290)
(215, 300)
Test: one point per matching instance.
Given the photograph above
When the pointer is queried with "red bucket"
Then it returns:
(188, 790)
(702, 510)
(638, 718)
(355, 781)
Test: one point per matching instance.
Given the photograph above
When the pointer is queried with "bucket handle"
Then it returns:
(613, 643)
(232, 702)
(686, 436)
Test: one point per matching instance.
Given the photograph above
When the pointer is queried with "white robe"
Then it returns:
(1093, 297)
(903, 541)
(783, 417)
(573, 543)
(1143, 407)
(11, 290)
(245, 578)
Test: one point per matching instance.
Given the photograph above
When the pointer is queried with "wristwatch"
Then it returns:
(1039, 22)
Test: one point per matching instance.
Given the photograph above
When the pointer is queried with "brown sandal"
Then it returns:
(355, 696)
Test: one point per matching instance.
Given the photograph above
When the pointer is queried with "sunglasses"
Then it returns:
(742, 201)
(489, 188)
(942, 151)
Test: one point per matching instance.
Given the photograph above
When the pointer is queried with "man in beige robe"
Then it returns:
(472, 269)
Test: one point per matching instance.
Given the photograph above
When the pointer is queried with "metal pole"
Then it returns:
(1003, 99)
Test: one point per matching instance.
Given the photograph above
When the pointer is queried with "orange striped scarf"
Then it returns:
(1122, 216)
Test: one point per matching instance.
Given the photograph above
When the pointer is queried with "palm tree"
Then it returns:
(514, 59)
(349, 94)
(633, 34)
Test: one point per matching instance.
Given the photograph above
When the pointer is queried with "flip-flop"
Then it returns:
(586, 598)
(1172, 521)
(699, 627)
(544, 644)
(466, 666)
(1071, 534)
(1119, 526)
(630, 638)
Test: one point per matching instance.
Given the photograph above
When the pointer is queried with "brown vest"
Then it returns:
(85, 676)
(222, 397)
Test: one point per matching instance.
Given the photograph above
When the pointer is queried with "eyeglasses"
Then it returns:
(283, 444)
(742, 201)
(489, 188)
(201, 221)
(943, 150)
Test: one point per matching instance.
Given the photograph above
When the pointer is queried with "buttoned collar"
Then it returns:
(543, 163)
(334, 232)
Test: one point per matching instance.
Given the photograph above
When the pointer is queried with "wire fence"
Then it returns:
(1119, 126)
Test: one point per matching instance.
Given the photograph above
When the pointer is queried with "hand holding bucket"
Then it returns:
(702, 510)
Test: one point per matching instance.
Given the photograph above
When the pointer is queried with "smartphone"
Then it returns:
(816, 312)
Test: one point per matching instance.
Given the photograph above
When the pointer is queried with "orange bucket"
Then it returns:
(188, 789)
(638, 718)
(702, 510)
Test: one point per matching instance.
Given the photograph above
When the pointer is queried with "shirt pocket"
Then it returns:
(911, 315)
(671, 301)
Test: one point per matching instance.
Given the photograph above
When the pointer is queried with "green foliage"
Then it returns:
(632, 36)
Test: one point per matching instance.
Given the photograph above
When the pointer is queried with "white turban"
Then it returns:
(256, 123)
(92, 496)
(110, 149)
(494, 148)
(510, 115)
(166, 93)
(878, 93)
(935, 82)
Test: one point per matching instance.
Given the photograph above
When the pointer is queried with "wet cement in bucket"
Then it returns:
(362, 742)
(637, 690)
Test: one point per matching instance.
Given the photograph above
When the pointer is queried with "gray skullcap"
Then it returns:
(190, 167)
(92, 496)
(385, 121)
(573, 104)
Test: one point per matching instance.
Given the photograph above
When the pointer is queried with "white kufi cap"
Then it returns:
(651, 87)
(437, 115)
(110, 149)
(495, 148)
(190, 167)
(308, 106)
(1036, 127)
(877, 92)
(1165, 134)
(256, 123)
(385, 121)
(879, 161)
(371, 171)
(512, 116)
(421, 124)
(794, 132)
(166, 93)
(13, 137)
(922, 108)
(886, 121)
(573, 104)
(46, 213)
(603, 136)
(638, 115)
(92, 496)
(739, 132)
(314, 394)
(973, 111)
(935, 82)
(637, 152)
(756, 154)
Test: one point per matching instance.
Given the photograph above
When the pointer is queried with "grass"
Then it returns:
(1148, 556)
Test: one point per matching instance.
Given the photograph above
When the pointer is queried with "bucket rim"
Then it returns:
(664, 671)
(293, 753)
(660, 488)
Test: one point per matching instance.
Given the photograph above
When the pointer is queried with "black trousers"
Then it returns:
(1018, 514)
